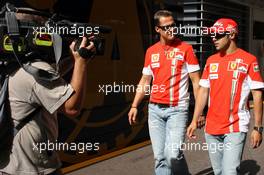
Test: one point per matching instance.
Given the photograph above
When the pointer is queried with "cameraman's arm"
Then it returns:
(74, 104)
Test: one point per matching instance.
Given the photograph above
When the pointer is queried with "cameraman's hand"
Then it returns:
(75, 53)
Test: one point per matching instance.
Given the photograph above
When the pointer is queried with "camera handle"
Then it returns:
(85, 53)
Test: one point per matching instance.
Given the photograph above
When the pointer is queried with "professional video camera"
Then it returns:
(21, 40)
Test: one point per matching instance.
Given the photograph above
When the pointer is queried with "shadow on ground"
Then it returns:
(249, 167)
(207, 171)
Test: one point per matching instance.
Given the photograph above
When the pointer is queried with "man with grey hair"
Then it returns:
(26, 95)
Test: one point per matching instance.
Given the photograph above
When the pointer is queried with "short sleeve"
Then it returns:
(191, 60)
(254, 78)
(51, 95)
(204, 81)
(147, 69)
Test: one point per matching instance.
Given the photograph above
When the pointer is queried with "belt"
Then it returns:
(161, 105)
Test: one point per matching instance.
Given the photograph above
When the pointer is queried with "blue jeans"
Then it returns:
(225, 152)
(167, 128)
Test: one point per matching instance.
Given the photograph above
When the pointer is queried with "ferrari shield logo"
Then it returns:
(170, 54)
(232, 65)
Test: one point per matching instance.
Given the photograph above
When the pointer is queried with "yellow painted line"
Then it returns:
(104, 157)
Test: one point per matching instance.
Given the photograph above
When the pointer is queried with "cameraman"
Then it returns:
(27, 95)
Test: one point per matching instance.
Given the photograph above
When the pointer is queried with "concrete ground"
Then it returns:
(140, 162)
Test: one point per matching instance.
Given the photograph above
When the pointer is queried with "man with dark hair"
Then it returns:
(159, 14)
(170, 62)
(228, 78)
(26, 95)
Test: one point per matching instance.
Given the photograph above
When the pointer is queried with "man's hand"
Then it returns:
(132, 116)
(201, 121)
(200, 103)
(83, 44)
(256, 139)
(191, 129)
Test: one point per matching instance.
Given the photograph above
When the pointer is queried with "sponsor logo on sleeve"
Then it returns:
(255, 67)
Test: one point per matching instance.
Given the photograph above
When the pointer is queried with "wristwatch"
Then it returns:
(259, 129)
